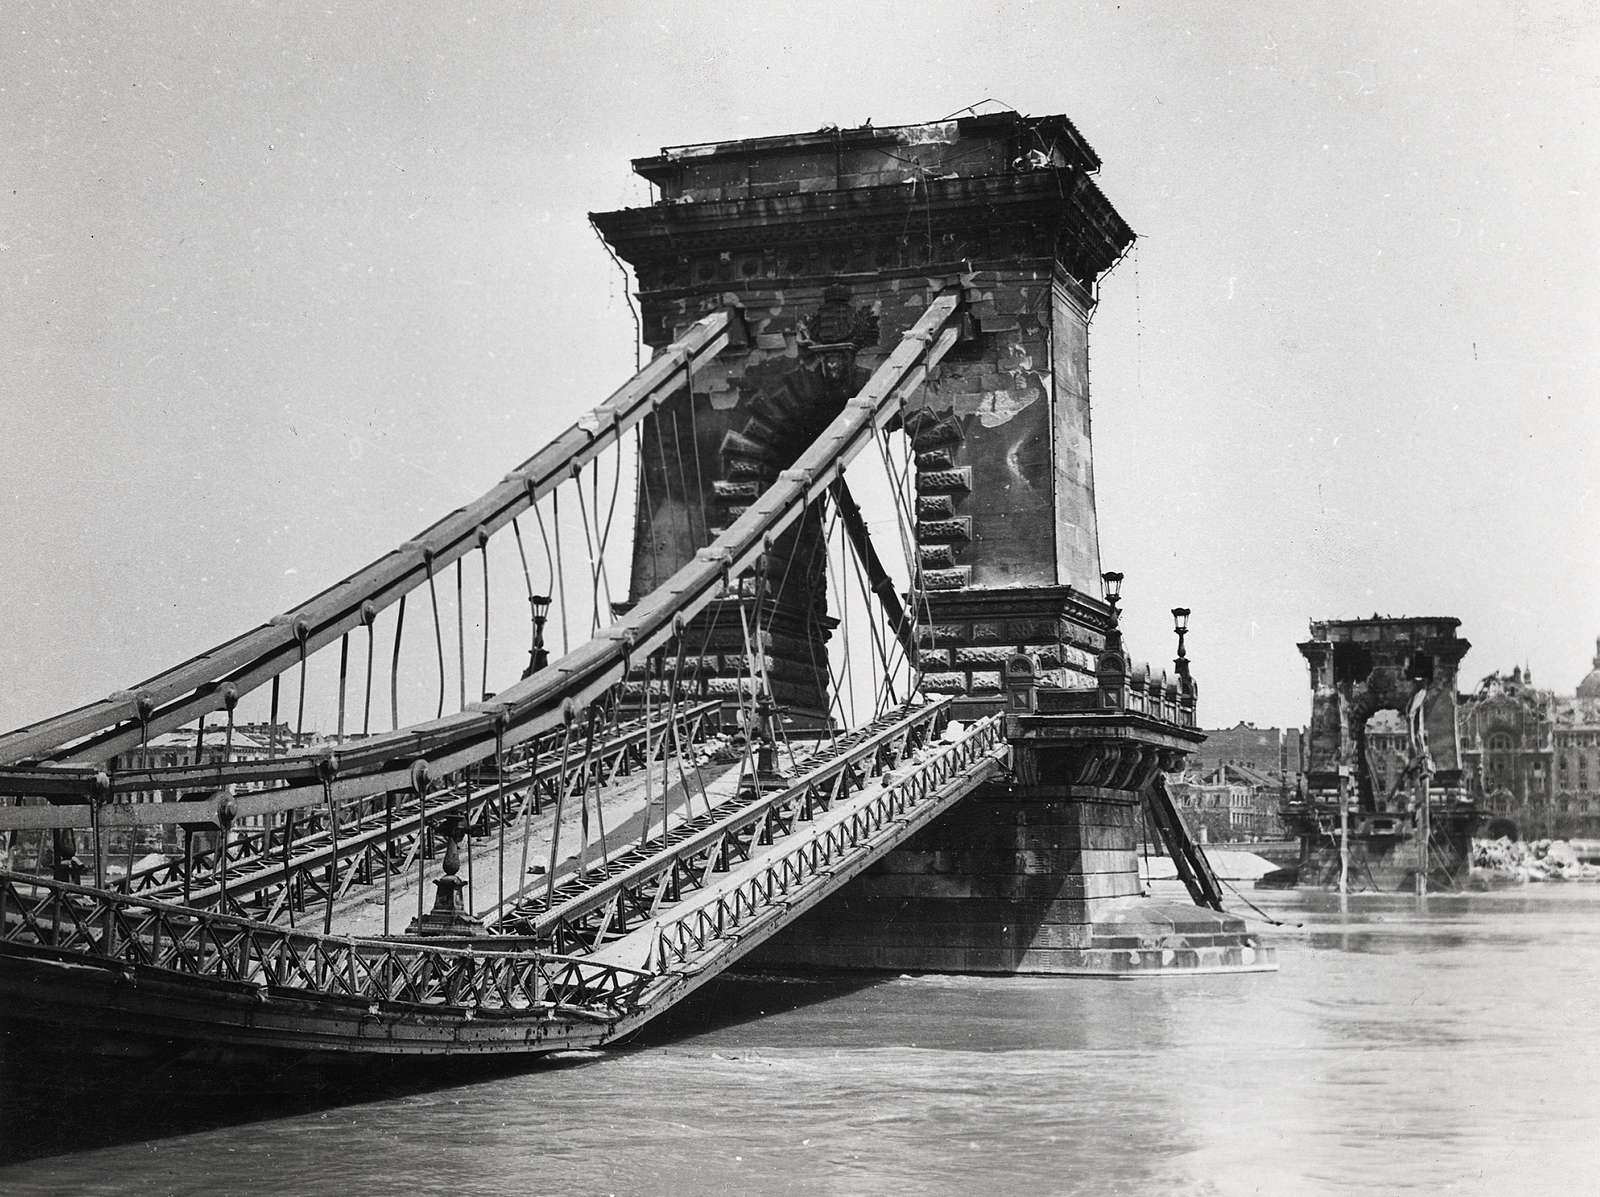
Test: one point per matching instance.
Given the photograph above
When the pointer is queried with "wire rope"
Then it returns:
(394, 666)
(694, 443)
(605, 537)
(588, 544)
(461, 634)
(366, 710)
(344, 668)
(557, 569)
(689, 505)
(561, 792)
(483, 549)
(438, 633)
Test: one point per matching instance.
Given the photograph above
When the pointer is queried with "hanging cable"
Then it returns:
(500, 785)
(369, 614)
(627, 295)
(394, 667)
(388, 853)
(649, 751)
(557, 569)
(605, 537)
(301, 631)
(290, 878)
(840, 595)
(422, 839)
(344, 670)
(583, 799)
(461, 637)
(689, 504)
(438, 632)
(483, 550)
(568, 714)
(333, 860)
(588, 544)
(875, 645)
(647, 503)
(694, 444)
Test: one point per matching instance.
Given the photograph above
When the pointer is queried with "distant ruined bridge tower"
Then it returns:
(1359, 667)
(831, 245)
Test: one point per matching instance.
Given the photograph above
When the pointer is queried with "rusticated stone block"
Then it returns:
(1049, 655)
(959, 528)
(1020, 630)
(930, 481)
(944, 683)
(935, 459)
(937, 556)
(935, 507)
(729, 686)
(998, 655)
(984, 681)
(941, 633)
(948, 579)
(984, 629)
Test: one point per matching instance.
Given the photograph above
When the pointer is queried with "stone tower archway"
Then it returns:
(1362, 666)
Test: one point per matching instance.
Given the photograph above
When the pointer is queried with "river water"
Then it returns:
(1445, 1050)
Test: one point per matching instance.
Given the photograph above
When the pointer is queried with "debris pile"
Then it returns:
(1532, 860)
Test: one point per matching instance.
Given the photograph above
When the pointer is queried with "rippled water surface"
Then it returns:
(1451, 1050)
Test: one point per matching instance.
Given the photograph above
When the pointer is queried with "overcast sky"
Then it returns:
(284, 283)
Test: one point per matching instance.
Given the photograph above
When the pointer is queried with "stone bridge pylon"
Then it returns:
(831, 245)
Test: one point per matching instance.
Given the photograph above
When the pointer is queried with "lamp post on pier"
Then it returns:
(1180, 625)
(538, 657)
(1113, 583)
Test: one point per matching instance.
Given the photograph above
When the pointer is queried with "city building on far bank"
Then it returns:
(1532, 757)
(1236, 781)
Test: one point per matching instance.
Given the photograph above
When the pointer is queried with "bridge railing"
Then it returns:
(60, 920)
(735, 907)
(386, 838)
(611, 906)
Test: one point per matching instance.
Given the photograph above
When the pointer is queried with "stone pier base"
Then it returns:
(1017, 879)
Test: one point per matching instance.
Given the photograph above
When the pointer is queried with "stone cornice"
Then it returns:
(1065, 204)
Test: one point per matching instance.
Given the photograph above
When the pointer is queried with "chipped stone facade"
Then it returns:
(1000, 208)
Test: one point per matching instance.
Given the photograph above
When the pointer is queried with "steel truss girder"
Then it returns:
(834, 850)
(195, 688)
(535, 705)
(685, 859)
(55, 920)
(383, 841)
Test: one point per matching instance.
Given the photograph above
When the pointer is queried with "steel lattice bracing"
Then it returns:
(682, 894)
(641, 937)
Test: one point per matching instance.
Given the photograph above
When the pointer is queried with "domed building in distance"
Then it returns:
(1590, 686)
(1531, 757)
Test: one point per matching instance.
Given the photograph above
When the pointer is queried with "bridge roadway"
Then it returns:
(112, 971)
(646, 929)
(378, 842)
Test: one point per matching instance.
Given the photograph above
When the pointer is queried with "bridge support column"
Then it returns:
(1018, 879)
(1035, 873)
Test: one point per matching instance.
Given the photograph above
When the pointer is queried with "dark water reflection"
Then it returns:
(1398, 1050)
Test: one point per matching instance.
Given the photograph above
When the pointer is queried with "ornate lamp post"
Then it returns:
(1113, 583)
(1180, 624)
(538, 658)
